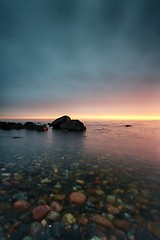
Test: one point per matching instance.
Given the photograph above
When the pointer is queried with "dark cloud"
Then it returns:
(58, 50)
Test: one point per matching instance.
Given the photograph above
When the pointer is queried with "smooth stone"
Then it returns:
(44, 223)
(79, 181)
(59, 197)
(53, 216)
(99, 219)
(21, 205)
(45, 181)
(83, 221)
(35, 228)
(69, 218)
(154, 227)
(77, 197)
(58, 185)
(121, 224)
(6, 174)
(113, 210)
(40, 212)
(120, 234)
(56, 206)
(111, 198)
(17, 176)
(100, 192)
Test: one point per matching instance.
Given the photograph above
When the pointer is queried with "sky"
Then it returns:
(82, 58)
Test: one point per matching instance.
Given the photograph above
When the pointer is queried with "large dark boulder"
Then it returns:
(73, 125)
(30, 125)
(41, 128)
(56, 124)
(11, 125)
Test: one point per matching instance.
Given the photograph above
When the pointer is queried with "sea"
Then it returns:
(116, 168)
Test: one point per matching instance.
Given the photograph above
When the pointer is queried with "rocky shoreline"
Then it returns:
(63, 123)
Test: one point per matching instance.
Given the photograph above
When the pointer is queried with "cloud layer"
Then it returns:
(88, 56)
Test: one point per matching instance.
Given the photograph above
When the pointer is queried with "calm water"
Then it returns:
(137, 144)
(127, 158)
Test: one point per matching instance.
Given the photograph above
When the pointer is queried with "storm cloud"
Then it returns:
(79, 54)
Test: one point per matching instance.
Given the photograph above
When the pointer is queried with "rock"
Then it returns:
(40, 212)
(35, 228)
(59, 197)
(30, 125)
(41, 128)
(83, 221)
(120, 234)
(46, 180)
(113, 210)
(122, 224)
(111, 198)
(73, 125)
(44, 223)
(68, 218)
(56, 206)
(56, 124)
(14, 226)
(128, 125)
(99, 219)
(53, 216)
(100, 192)
(11, 125)
(154, 227)
(77, 197)
(21, 205)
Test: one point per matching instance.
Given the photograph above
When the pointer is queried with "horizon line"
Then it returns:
(85, 117)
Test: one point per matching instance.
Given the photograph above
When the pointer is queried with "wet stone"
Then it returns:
(40, 212)
(99, 219)
(53, 216)
(35, 227)
(69, 218)
(77, 197)
(21, 205)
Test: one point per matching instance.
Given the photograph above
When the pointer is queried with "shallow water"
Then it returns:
(125, 160)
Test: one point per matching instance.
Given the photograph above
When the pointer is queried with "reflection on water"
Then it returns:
(117, 168)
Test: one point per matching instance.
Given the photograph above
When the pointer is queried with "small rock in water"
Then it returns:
(69, 218)
(21, 205)
(99, 219)
(44, 223)
(77, 197)
(45, 181)
(40, 212)
(53, 216)
(111, 198)
(154, 227)
(35, 227)
(113, 210)
(58, 185)
(122, 224)
(56, 206)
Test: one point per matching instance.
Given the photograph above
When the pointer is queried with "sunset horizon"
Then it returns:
(84, 117)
